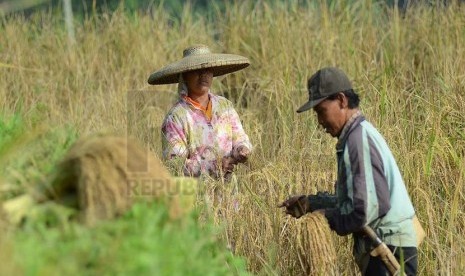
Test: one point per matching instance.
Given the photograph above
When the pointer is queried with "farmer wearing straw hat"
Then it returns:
(370, 191)
(202, 129)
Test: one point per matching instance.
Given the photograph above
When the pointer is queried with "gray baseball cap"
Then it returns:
(324, 83)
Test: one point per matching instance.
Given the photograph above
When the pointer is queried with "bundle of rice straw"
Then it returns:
(102, 177)
(315, 247)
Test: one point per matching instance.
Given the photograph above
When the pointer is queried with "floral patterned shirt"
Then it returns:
(187, 133)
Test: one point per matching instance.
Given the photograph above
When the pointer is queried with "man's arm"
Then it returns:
(298, 206)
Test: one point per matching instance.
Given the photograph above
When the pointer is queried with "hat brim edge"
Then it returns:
(309, 105)
(220, 64)
(174, 76)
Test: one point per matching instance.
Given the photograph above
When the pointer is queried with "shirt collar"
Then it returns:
(346, 128)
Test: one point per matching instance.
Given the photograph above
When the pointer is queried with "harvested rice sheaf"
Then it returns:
(102, 177)
(315, 247)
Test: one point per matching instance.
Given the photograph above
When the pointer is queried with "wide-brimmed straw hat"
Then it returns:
(199, 57)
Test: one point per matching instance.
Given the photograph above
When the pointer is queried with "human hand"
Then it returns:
(296, 206)
(241, 154)
(228, 164)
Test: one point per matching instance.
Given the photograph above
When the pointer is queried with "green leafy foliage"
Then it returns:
(145, 241)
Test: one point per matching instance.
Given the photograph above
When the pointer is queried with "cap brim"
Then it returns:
(310, 105)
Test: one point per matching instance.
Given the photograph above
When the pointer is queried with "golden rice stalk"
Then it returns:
(315, 247)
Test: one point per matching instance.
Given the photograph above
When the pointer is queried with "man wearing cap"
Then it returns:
(370, 190)
(202, 130)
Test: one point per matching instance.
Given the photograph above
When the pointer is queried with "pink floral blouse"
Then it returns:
(187, 133)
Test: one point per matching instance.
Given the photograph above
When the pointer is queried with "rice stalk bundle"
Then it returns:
(102, 176)
(315, 247)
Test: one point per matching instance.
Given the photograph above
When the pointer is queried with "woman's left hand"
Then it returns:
(242, 154)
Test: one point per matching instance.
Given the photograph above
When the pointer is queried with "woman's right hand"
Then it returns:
(228, 164)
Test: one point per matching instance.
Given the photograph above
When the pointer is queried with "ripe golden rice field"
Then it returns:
(409, 70)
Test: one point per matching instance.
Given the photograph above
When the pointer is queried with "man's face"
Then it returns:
(331, 114)
(198, 82)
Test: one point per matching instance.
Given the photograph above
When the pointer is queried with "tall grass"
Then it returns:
(408, 68)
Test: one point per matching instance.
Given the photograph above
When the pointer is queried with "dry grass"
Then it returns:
(409, 70)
